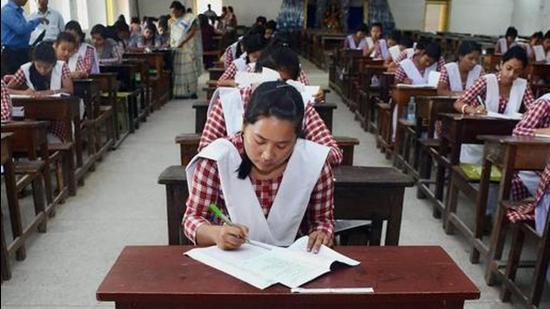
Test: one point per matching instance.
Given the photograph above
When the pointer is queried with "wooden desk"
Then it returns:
(458, 129)
(402, 277)
(325, 110)
(362, 193)
(11, 194)
(215, 73)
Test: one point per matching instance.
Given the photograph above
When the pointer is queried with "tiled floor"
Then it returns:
(122, 204)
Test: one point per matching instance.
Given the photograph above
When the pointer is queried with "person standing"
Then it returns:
(56, 23)
(212, 16)
(16, 32)
(185, 38)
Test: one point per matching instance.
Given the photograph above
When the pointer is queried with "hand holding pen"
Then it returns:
(480, 109)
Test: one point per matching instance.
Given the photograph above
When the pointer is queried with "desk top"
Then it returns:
(163, 273)
(510, 139)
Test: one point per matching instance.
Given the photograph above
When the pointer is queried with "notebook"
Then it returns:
(264, 265)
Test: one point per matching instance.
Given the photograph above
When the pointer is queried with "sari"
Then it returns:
(188, 58)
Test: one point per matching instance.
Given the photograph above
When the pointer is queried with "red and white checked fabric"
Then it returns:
(526, 211)
(401, 75)
(227, 57)
(229, 73)
(205, 189)
(81, 66)
(479, 88)
(89, 60)
(6, 102)
(444, 78)
(302, 78)
(314, 130)
(536, 117)
(56, 127)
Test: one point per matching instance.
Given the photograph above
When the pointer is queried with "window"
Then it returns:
(202, 6)
(436, 15)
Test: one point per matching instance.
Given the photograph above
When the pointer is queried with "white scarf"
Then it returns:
(455, 81)
(515, 99)
(414, 74)
(55, 79)
(352, 45)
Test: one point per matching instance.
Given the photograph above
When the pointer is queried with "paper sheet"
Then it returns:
(292, 266)
(515, 116)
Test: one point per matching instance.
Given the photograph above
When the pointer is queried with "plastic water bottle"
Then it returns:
(411, 110)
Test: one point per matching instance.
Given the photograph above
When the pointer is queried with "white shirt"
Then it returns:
(53, 28)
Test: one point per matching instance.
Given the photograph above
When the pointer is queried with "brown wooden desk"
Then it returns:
(325, 111)
(402, 277)
(11, 192)
(361, 193)
(458, 129)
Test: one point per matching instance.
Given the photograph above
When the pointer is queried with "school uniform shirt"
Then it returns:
(479, 88)
(89, 58)
(401, 73)
(380, 51)
(56, 128)
(409, 53)
(109, 53)
(501, 46)
(206, 189)
(455, 83)
(229, 54)
(350, 43)
(6, 102)
(314, 129)
(535, 118)
(526, 211)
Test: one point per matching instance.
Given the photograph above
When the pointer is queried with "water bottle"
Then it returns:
(411, 110)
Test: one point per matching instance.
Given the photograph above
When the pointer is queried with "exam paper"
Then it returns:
(292, 266)
(515, 116)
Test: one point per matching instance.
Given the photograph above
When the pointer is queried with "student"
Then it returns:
(273, 185)
(503, 93)
(261, 21)
(415, 71)
(164, 31)
(6, 102)
(252, 46)
(505, 43)
(135, 26)
(357, 40)
(405, 44)
(376, 47)
(43, 76)
(222, 121)
(151, 39)
(106, 48)
(535, 41)
(65, 48)
(546, 46)
(458, 76)
(270, 29)
(418, 48)
(84, 51)
(234, 50)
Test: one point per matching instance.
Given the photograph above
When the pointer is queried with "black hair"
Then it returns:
(422, 43)
(362, 28)
(406, 41)
(177, 6)
(433, 51)
(279, 56)
(121, 27)
(256, 29)
(230, 8)
(163, 22)
(511, 31)
(395, 35)
(44, 52)
(547, 35)
(135, 20)
(271, 25)
(272, 99)
(377, 24)
(153, 28)
(99, 29)
(538, 35)
(516, 52)
(253, 43)
(467, 47)
(73, 25)
(261, 20)
(121, 18)
(65, 37)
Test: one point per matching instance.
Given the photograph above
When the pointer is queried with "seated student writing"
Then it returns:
(43, 76)
(106, 48)
(419, 48)
(65, 48)
(273, 185)
(252, 46)
(507, 42)
(222, 122)
(85, 53)
(235, 50)
(6, 102)
(377, 47)
(456, 77)
(535, 41)
(357, 40)
(404, 46)
(415, 71)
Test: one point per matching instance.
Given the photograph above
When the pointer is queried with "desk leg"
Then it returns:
(394, 222)
(176, 197)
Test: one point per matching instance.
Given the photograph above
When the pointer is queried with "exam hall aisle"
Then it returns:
(122, 204)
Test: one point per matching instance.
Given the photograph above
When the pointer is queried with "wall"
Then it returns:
(248, 10)
(528, 16)
(489, 17)
(97, 12)
(408, 14)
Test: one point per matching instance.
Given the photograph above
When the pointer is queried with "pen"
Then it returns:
(226, 220)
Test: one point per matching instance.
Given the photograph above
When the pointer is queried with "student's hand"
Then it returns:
(44, 20)
(29, 92)
(43, 93)
(316, 239)
(231, 236)
(407, 81)
(320, 96)
(478, 110)
(545, 131)
(79, 75)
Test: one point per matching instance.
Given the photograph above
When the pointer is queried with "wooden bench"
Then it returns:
(159, 75)
(361, 193)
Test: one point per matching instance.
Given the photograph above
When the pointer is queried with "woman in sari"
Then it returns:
(185, 38)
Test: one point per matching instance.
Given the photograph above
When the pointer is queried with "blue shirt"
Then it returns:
(16, 30)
